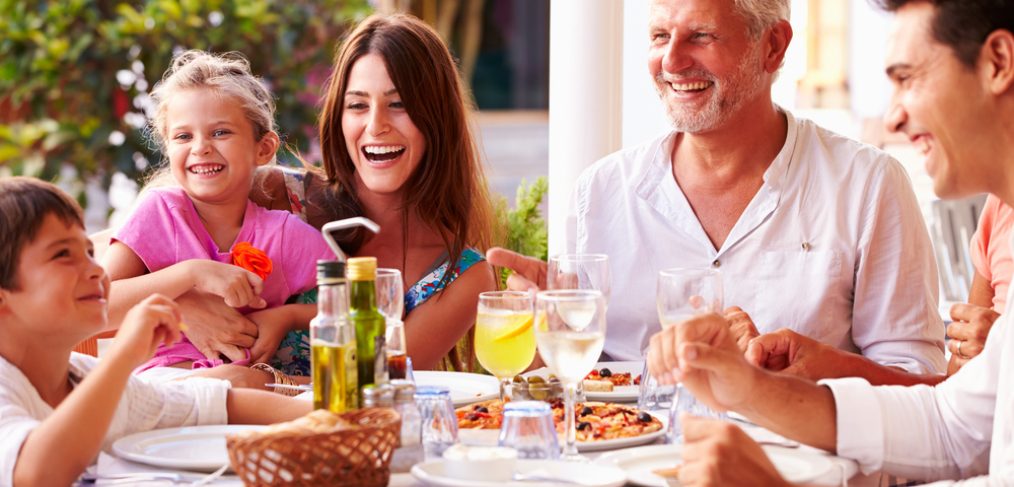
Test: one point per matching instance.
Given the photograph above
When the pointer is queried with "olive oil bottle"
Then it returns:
(369, 323)
(333, 343)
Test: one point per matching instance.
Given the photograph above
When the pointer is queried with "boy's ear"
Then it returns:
(267, 147)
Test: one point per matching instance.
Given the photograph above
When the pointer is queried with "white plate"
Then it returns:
(619, 393)
(489, 437)
(586, 474)
(465, 388)
(199, 448)
(795, 465)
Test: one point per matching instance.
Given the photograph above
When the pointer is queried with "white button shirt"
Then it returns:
(142, 407)
(833, 245)
(962, 428)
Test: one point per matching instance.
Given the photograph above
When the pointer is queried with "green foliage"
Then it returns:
(73, 72)
(526, 228)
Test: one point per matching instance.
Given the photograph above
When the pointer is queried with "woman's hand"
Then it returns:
(215, 328)
(968, 333)
(239, 287)
(272, 325)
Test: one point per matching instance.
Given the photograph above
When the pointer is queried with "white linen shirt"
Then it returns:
(143, 407)
(961, 429)
(833, 246)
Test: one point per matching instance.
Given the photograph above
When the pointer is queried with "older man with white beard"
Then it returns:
(810, 230)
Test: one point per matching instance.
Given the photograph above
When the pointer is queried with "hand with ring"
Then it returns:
(968, 332)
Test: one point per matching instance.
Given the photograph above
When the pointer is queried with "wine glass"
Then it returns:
(391, 304)
(579, 271)
(570, 330)
(504, 339)
(682, 294)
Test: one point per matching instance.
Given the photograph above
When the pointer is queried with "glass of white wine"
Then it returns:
(683, 293)
(579, 271)
(570, 329)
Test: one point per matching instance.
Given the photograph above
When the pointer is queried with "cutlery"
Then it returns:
(212, 477)
(131, 478)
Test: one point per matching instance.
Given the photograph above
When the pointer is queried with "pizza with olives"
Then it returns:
(616, 378)
(595, 421)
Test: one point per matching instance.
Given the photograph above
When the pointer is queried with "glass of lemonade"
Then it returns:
(570, 330)
(504, 339)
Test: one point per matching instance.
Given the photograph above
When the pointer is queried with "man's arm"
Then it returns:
(895, 318)
(918, 432)
(702, 354)
(790, 353)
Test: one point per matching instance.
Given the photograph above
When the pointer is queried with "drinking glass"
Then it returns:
(528, 428)
(579, 271)
(570, 329)
(504, 339)
(439, 423)
(391, 304)
(682, 293)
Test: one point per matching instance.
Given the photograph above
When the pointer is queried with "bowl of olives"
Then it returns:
(536, 388)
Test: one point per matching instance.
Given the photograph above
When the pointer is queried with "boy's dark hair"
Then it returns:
(963, 25)
(24, 204)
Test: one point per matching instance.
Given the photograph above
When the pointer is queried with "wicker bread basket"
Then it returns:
(321, 448)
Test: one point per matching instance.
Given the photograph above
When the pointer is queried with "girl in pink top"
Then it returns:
(214, 121)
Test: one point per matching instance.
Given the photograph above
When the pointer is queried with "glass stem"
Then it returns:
(568, 412)
(505, 385)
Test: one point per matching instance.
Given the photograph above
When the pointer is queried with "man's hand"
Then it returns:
(216, 328)
(702, 354)
(791, 353)
(529, 274)
(719, 453)
(969, 330)
(239, 287)
(741, 326)
(152, 322)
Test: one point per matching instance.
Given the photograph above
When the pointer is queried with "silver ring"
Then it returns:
(959, 349)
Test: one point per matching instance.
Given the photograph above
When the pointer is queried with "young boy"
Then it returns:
(58, 409)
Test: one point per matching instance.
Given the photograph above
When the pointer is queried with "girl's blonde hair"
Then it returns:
(228, 74)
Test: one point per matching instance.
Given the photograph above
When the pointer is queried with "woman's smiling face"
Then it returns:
(383, 142)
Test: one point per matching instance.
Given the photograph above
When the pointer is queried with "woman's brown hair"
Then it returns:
(449, 181)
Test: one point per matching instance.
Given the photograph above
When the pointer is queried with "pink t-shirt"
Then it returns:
(165, 229)
(991, 250)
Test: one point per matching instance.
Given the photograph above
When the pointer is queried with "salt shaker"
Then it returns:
(411, 450)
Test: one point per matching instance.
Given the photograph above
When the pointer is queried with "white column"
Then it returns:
(585, 93)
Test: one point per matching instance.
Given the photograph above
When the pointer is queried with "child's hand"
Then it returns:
(272, 325)
(154, 321)
(239, 287)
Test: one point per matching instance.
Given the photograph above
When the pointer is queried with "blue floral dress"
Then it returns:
(293, 355)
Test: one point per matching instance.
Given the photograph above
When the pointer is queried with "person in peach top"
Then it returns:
(994, 265)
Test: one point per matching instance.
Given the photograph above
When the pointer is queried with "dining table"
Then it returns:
(843, 471)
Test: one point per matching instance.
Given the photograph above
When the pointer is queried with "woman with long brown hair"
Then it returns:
(397, 147)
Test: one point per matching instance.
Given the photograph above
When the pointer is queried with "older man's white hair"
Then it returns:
(761, 14)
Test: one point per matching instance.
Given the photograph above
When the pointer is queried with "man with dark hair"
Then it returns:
(952, 64)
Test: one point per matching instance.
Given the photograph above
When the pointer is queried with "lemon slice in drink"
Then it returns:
(521, 324)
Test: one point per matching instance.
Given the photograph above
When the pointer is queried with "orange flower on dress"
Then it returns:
(252, 259)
